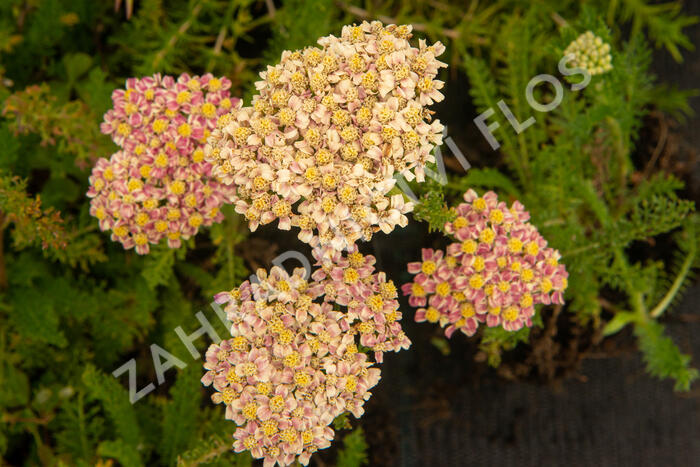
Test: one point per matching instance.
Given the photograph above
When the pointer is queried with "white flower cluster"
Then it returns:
(328, 130)
(591, 53)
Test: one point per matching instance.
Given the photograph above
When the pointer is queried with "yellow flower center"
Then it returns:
(532, 248)
(239, 344)
(161, 226)
(277, 403)
(134, 184)
(459, 222)
(141, 218)
(328, 204)
(161, 160)
(123, 129)
(467, 310)
(289, 435)
(195, 220)
(214, 84)
(307, 436)
(496, 216)
(228, 395)
(159, 126)
(183, 96)
(249, 369)
(428, 267)
(443, 289)
(177, 187)
(417, 290)
(526, 300)
(510, 313)
(375, 302)
(232, 377)
(292, 359)
(356, 259)
(479, 204)
(302, 379)
(469, 246)
(350, 276)
(487, 235)
(350, 383)
(269, 427)
(432, 315)
(184, 130)
(515, 245)
(250, 411)
(546, 285)
(476, 281)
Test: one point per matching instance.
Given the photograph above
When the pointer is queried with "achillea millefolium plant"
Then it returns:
(144, 110)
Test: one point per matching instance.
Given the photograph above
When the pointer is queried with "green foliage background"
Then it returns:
(74, 306)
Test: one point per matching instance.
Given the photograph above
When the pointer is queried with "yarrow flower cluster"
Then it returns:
(590, 53)
(158, 184)
(294, 363)
(496, 272)
(328, 130)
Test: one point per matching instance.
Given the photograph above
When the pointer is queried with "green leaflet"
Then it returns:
(122, 452)
(115, 401)
(354, 450)
(662, 356)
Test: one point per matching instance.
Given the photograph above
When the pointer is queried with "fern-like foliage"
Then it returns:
(180, 415)
(354, 450)
(115, 402)
(662, 356)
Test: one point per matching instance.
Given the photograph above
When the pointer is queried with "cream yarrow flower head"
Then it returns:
(496, 271)
(158, 185)
(590, 53)
(327, 131)
(293, 363)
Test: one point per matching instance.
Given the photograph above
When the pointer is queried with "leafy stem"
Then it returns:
(676, 286)
(3, 270)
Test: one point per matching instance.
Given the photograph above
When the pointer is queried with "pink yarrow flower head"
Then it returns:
(293, 363)
(372, 308)
(327, 131)
(495, 273)
(158, 185)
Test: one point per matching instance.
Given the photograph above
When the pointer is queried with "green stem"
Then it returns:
(81, 425)
(582, 249)
(176, 36)
(3, 271)
(675, 287)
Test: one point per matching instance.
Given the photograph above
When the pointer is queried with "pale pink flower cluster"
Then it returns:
(294, 363)
(158, 184)
(496, 272)
(369, 297)
(328, 130)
